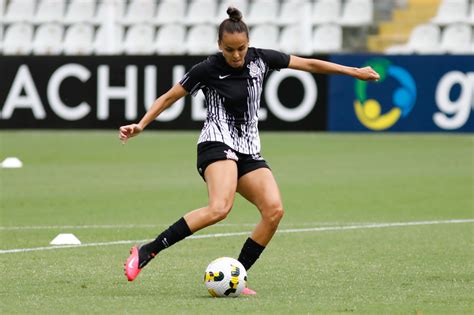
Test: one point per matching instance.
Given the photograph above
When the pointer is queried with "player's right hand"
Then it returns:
(128, 131)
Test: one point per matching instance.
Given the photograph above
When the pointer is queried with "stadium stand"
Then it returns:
(451, 11)
(170, 11)
(292, 11)
(452, 18)
(262, 12)
(2, 7)
(472, 44)
(202, 40)
(425, 39)
(109, 40)
(109, 11)
(79, 39)
(48, 39)
(326, 11)
(139, 40)
(18, 39)
(295, 39)
(470, 18)
(396, 30)
(265, 35)
(456, 39)
(19, 11)
(139, 11)
(324, 25)
(170, 39)
(50, 11)
(327, 38)
(201, 12)
(80, 11)
(357, 13)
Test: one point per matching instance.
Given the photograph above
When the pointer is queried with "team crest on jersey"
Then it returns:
(255, 69)
(230, 155)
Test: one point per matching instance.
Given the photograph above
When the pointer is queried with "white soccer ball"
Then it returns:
(225, 277)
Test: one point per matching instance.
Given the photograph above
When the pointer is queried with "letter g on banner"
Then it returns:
(454, 114)
(310, 90)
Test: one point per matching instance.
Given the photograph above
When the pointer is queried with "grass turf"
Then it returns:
(79, 179)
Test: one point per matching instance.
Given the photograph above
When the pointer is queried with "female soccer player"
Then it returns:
(228, 149)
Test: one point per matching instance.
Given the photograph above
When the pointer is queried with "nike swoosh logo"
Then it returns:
(130, 264)
(223, 76)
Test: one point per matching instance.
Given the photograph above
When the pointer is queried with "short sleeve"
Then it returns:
(275, 60)
(195, 79)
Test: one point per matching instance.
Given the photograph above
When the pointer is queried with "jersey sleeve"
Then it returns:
(275, 60)
(195, 79)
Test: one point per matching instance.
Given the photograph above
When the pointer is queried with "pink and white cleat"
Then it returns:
(135, 263)
(247, 291)
(131, 265)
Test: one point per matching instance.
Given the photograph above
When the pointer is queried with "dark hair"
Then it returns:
(233, 24)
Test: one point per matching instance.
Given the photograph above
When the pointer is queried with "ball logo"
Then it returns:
(369, 110)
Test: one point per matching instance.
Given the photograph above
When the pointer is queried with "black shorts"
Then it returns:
(209, 152)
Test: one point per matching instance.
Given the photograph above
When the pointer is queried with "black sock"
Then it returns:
(175, 233)
(250, 253)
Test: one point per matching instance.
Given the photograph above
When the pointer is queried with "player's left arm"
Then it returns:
(326, 67)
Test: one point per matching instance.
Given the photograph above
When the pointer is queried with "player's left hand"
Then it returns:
(367, 74)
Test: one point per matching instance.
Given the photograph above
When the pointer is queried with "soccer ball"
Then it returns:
(225, 277)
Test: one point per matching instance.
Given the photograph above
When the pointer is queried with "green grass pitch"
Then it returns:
(87, 183)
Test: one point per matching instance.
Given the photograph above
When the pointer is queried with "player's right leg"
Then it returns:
(221, 179)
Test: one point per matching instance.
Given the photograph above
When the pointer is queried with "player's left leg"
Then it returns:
(260, 188)
(221, 180)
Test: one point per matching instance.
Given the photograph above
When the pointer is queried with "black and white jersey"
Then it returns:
(232, 96)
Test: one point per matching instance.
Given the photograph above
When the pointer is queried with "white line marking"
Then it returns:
(144, 226)
(201, 236)
(73, 227)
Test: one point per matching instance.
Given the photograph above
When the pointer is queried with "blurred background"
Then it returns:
(101, 63)
(177, 27)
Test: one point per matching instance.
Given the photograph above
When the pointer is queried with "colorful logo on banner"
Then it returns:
(369, 110)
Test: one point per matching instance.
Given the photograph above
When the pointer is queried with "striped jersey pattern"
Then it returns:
(232, 97)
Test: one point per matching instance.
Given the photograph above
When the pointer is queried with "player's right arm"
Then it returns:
(160, 104)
